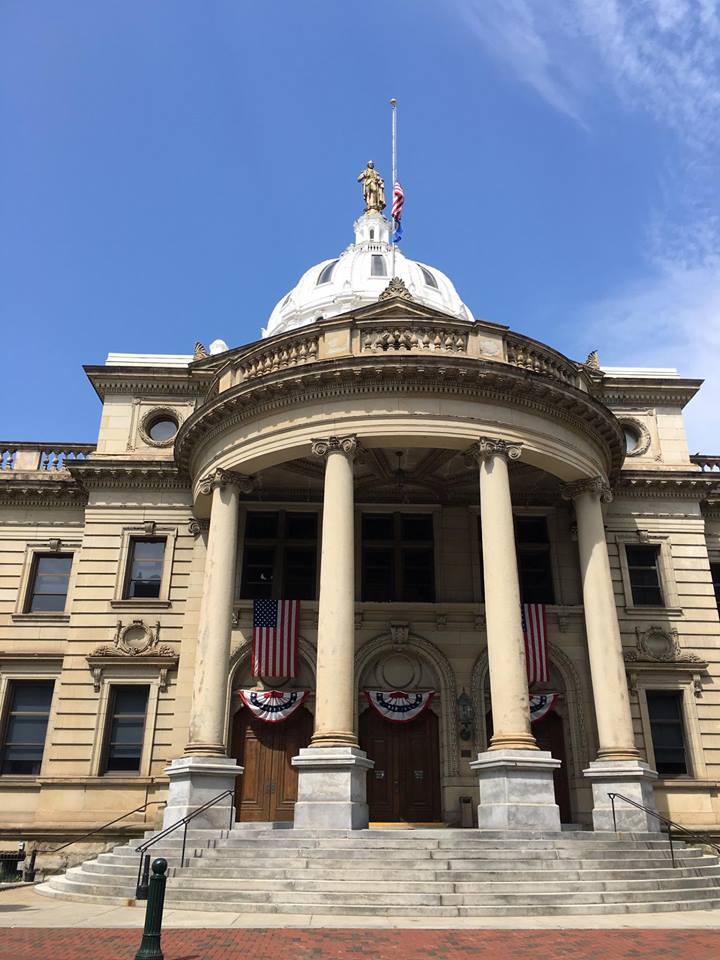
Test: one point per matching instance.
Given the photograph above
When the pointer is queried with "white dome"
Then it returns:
(358, 277)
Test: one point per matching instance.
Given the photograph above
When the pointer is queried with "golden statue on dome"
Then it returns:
(373, 187)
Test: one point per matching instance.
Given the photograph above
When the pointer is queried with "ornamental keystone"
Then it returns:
(328, 445)
(225, 478)
(593, 485)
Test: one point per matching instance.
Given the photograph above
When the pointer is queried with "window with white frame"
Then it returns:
(145, 568)
(667, 730)
(644, 573)
(49, 582)
(647, 572)
(125, 728)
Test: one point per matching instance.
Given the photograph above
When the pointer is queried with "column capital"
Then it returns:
(593, 485)
(321, 447)
(225, 478)
(487, 447)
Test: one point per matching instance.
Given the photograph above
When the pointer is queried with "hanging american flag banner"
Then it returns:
(397, 204)
(534, 625)
(541, 704)
(275, 638)
(397, 705)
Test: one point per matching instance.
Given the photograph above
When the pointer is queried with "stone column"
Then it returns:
(516, 779)
(332, 771)
(206, 770)
(618, 768)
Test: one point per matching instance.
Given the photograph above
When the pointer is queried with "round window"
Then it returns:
(632, 438)
(162, 429)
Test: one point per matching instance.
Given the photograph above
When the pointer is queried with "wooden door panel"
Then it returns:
(292, 736)
(250, 748)
(377, 745)
(549, 735)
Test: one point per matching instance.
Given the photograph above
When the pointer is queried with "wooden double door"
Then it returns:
(267, 790)
(404, 785)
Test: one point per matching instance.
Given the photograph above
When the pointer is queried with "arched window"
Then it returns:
(326, 273)
(377, 265)
(428, 277)
(372, 234)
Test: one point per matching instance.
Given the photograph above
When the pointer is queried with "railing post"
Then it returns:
(141, 890)
(182, 857)
(150, 943)
(612, 801)
(672, 849)
(232, 814)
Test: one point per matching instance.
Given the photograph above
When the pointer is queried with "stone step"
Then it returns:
(512, 848)
(363, 853)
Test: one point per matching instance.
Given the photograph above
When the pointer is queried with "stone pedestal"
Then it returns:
(517, 790)
(194, 781)
(332, 788)
(631, 778)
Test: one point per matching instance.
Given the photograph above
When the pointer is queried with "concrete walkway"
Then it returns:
(23, 907)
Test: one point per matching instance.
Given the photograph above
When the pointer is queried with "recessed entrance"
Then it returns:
(267, 790)
(405, 782)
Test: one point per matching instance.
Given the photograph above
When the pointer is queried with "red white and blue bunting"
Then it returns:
(398, 706)
(272, 706)
(541, 704)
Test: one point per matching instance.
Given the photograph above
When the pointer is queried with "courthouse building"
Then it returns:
(413, 476)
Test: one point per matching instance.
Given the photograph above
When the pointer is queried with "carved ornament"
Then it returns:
(396, 288)
(488, 447)
(135, 639)
(658, 645)
(346, 445)
(196, 526)
(593, 485)
(200, 352)
(399, 633)
(225, 478)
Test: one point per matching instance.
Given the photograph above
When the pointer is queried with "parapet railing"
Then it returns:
(683, 832)
(708, 464)
(45, 457)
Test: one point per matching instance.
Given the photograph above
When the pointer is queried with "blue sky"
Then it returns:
(168, 169)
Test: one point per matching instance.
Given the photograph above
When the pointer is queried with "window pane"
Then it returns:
(300, 573)
(378, 574)
(418, 575)
(148, 550)
(644, 577)
(258, 569)
(146, 568)
(50, 583)
(261, 526)
(301, 526)
(379, 526)
(126, 727)
(416, 526)
(377, 268)
(26, 727)
(531, 530)
(666, 726)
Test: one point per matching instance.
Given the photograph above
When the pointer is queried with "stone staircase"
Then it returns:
(434, 873)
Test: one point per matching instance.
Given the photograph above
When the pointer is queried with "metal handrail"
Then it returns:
(150, 803)
(670, 824)
(144, 865)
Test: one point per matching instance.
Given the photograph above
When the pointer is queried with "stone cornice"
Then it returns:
(156, 381)
(438, 374)
(627, 392)
(682, 485)
(33, 490)
(148, 474)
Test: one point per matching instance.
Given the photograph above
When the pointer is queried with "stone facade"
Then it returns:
(419, 412)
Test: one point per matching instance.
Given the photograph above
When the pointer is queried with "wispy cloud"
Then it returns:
(660, 58)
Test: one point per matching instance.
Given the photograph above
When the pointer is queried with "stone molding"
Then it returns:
(156, 413)
(593, 485)
(488, 447)
(439, 663)
(225, 478)
(347, 445)
(644, 437)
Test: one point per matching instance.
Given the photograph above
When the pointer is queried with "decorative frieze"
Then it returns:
(287, 354)
(413, 338)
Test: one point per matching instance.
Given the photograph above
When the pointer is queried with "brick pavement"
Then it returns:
(327, 944)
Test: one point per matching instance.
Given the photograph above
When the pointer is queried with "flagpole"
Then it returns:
(393, 105)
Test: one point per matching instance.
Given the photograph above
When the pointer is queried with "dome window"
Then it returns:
(326, 273)
(429, 278)
(377, 265)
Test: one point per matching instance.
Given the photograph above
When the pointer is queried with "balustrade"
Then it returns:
(37, 457)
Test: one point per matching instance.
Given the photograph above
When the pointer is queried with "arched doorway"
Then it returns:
(267, 790)
(404, 785)
(550, 736)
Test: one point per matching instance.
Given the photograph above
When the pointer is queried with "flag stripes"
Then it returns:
(275, 638)
(534, 624)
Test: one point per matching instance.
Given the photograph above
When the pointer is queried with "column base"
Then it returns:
(194, 781)
(633, 779)
(332, 788)
(517, 791)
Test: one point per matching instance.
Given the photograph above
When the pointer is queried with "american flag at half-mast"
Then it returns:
(534, 624)
(398, 199)
(275, 638)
